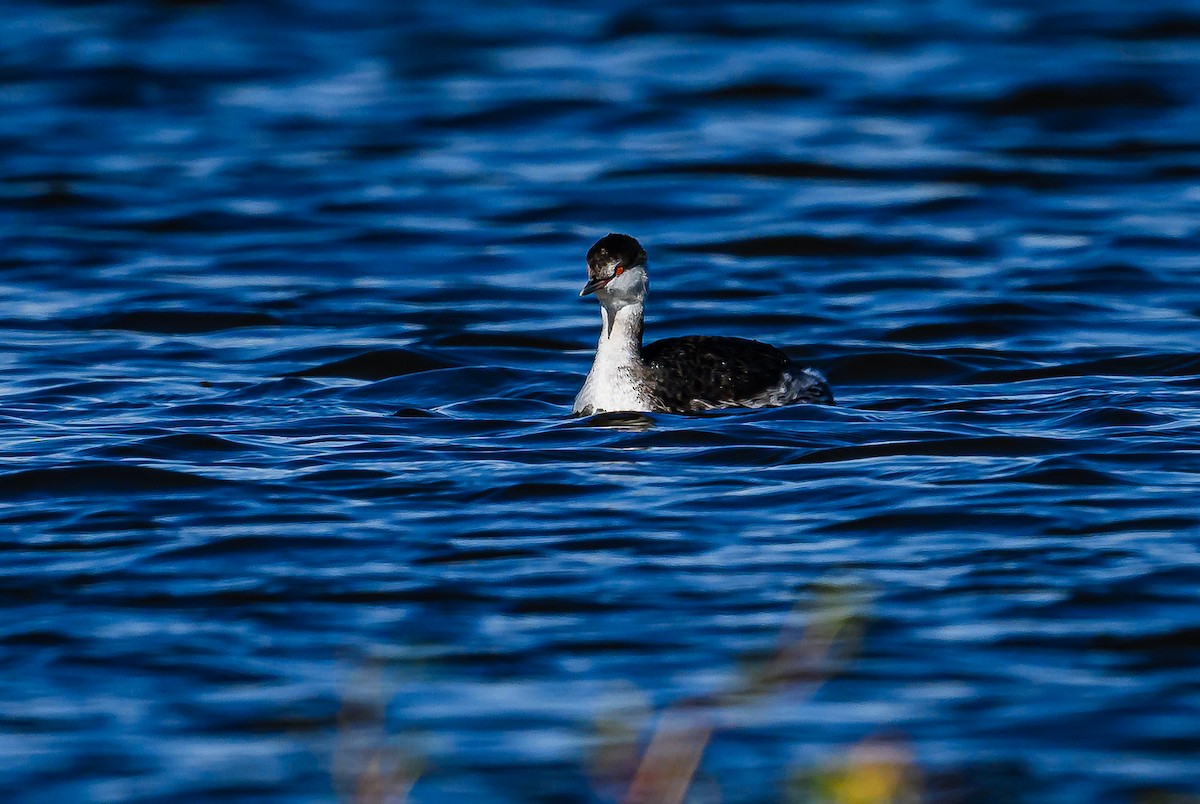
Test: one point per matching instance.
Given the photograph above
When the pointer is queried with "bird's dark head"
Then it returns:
(616, 270)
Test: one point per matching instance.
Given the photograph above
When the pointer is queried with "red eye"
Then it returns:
(618, 270)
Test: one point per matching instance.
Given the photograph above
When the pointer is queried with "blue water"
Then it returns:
(291, 335)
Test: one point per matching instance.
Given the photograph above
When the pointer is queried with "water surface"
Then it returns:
(291, 339)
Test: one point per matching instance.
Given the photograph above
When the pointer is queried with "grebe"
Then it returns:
(676, 375)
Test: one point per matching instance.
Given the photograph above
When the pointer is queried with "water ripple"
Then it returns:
(292, 338)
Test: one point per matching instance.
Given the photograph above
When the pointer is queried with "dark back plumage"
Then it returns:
(688, 372)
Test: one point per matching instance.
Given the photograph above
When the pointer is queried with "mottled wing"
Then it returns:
(701, 371)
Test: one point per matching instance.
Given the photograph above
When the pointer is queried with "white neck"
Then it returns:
(621, 335)
(616, 381)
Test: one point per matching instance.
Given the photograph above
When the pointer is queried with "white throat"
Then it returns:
(617, 379)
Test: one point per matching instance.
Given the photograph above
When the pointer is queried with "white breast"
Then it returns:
(611, 386)
(617, 379)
